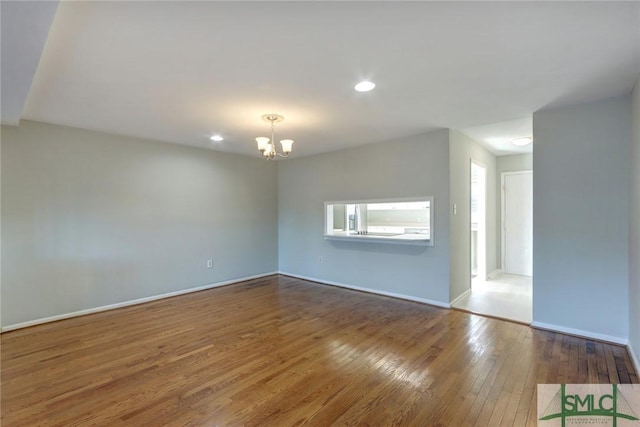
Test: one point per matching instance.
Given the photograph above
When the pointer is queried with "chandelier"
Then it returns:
(268, 146)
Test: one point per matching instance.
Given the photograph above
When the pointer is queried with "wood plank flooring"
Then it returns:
(280, 351)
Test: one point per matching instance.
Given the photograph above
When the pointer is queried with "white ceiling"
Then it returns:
(24, 27)
(496, 137)
(181, 71)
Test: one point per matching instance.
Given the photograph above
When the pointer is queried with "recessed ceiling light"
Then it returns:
(217, 138)
(522, 141)
(364, 86)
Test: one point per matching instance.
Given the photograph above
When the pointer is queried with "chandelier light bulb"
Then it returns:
(287, 145)
(263, 142)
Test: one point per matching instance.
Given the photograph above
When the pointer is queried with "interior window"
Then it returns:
(380, 219)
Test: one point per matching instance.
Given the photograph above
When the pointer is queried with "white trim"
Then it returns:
(502, 222)
(482, 266)
(537, 325)
(389, 200)
(328, 222)
(580, 333)
(128, 303)
(460, 297)
(634, 358)
(366, 238)
(369, 290)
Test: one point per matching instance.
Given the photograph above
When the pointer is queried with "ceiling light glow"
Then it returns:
(217, 138)
(364, 86)
(521, 141)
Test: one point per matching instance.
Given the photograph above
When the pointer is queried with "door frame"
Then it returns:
(503, 235)
(482, 271)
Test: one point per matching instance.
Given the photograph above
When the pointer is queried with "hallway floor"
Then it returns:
(506, 296)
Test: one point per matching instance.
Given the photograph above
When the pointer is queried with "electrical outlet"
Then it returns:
(209, 263)
(321, 260)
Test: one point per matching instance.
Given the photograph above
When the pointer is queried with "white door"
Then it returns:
(517, 221)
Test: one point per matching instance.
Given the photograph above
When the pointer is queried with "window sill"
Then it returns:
(400, 239)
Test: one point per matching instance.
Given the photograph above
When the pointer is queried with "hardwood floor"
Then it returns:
(282, 352)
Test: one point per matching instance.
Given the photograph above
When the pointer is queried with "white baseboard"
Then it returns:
(634, 359)
(580, 333)
(460, 297)
(538, 325)
(369, 290)
(128, 303)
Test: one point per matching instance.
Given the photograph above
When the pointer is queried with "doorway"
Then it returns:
(506, 292)
(478, 221)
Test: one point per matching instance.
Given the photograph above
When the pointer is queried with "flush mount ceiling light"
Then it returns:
(521, 141)
(268, 146)
(365, 86)
(216, 138)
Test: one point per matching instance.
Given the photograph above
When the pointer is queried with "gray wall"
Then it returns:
(581, 217)
(511, 163)
(634, 229)
(91, 219)
(0, 230)
(462, 150)
(415, 166)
